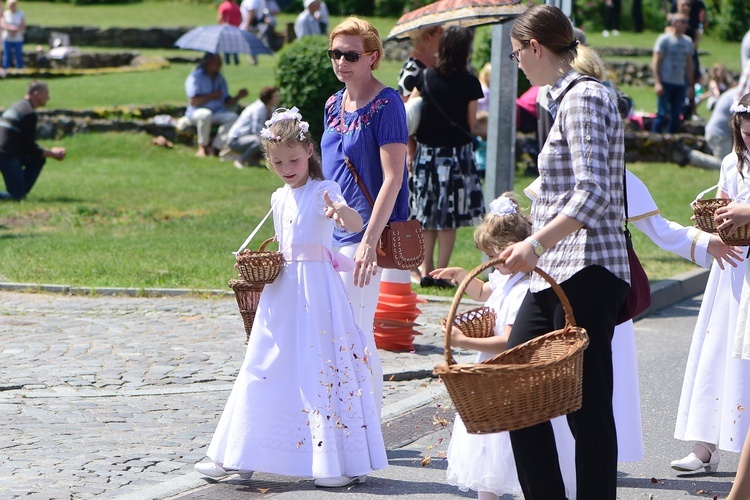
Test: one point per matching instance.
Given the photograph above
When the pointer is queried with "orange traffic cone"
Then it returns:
(396, 312)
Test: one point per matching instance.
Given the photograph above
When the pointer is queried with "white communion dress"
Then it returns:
(484, 462)
(716, 386)
(688, 242)
(303, 403)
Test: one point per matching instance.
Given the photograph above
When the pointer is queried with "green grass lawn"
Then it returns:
(120, 212)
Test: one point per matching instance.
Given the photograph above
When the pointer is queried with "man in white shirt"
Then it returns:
(243, 138)
(306, 23)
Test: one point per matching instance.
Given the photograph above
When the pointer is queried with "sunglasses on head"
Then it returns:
(349, 56)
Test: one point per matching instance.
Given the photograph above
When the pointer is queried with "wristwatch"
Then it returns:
(536, 246)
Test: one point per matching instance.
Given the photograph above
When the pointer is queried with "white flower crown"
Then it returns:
(739, 108)
(502, 206)
(284, 114)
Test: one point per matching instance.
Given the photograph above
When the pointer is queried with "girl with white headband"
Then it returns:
(303, 403)
(716, 386)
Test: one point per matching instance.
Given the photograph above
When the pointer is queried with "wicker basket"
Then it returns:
(475, 323)
(248, 296)
(261, 267)
(704, 212)
(523, 386)
(740, 237)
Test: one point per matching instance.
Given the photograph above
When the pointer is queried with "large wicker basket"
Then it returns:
(475, 323)
(248, 296)
(261, 267)
(523, 386)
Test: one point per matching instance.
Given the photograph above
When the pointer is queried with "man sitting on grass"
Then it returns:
(21, 158)
(208, 100)
(243, 138)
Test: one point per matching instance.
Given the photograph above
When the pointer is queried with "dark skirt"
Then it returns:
(445, 191)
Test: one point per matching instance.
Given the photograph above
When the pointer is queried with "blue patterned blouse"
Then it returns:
(382, 121)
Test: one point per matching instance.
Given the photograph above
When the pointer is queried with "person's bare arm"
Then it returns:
(392, 159)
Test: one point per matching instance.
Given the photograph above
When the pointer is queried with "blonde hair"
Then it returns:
(549, 26)
(354, 26)
(496, 232)
(485, 74)
(289, 133)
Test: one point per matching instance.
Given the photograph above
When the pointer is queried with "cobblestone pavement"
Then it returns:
(101, 396)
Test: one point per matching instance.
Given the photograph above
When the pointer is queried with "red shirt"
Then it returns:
(230, 13)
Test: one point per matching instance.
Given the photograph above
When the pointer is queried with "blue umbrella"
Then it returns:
(222, 39)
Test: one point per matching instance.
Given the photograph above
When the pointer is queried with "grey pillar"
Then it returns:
(501, 133)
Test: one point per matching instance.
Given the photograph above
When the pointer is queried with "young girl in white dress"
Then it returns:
(303, 402)
(484, 462)
(716, 387)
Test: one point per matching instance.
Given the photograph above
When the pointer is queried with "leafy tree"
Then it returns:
(732, 21)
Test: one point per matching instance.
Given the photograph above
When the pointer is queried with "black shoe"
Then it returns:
(441, 283)
(427, 282)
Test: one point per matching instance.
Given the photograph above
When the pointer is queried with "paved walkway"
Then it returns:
(115, 396)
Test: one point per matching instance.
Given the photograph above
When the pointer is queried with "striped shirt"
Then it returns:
(581, 167)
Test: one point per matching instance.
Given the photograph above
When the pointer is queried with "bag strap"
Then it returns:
(625, 198)
(349, 163)
(358, 179)
(255, 231)
(440, 109)
(575, 82)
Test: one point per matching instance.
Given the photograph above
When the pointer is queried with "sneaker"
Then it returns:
(339, 482)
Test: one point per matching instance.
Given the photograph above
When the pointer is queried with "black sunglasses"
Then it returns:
(349, 56)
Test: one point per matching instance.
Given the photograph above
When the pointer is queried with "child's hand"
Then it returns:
(457, 337)
(723, 252)
(732, 216)
(453, 274)
(332, 212)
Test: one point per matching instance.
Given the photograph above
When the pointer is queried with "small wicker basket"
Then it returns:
(705, 219)
(475, 323)
(248, 296)
(523, 386)
(704, 212)
(260, 267)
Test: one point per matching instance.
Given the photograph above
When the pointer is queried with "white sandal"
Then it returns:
(692, 463)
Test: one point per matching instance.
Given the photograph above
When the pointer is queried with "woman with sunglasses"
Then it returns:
(365, 125)
(446, 192)
(578, 239)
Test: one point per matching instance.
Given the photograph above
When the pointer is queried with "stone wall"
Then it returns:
(80, 60)
(154, 38)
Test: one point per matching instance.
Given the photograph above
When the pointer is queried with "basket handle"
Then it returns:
(569, 318)
(255, 231)
(265, 243)
(702, 193)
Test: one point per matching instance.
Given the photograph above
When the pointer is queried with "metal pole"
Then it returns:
(501, 133)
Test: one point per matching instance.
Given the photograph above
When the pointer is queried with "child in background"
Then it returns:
(480, 149)
(303, 403)
(718, 83)
(485, 462)
(716, 387)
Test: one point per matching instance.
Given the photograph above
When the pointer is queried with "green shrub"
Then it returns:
(732, 21)
(306, 80)
(482, 53)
